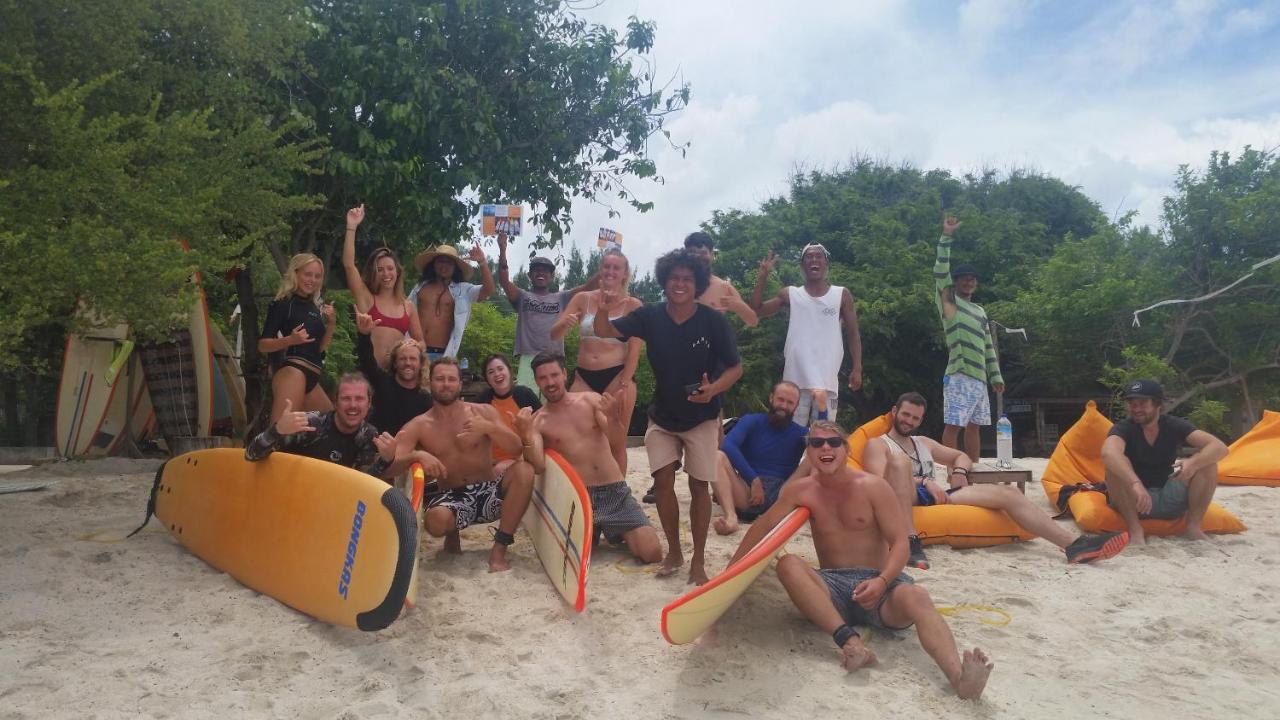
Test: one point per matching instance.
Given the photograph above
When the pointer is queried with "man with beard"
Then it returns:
(340, 436)
(400, 395)
(861, 543)
(907, 462)
(574, 424)
(1144, 477)
(756, 458)
(814, 349)
(453, 442)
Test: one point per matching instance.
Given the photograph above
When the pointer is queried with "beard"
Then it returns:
(780, 418)
(445, 398)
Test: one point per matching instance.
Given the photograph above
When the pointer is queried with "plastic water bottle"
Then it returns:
(1004, 442)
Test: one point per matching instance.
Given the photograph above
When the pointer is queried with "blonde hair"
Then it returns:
(626, 280)
(289, 280)
(424, 370)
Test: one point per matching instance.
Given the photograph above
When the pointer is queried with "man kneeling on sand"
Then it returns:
(575, 425)
(907, 461)
(861, 541)
(453, 441)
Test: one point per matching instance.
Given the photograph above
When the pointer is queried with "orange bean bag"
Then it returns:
(1254, 459)
(960, 526)
(1078, 459)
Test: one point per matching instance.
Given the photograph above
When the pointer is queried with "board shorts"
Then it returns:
(1167, 503)
(841, 582)
(772, 486)
(965, 401)
(473, 504)
(695, 448)
(924, 498)
(613, 509)
(806, 413)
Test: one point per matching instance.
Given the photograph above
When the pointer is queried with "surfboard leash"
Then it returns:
(151, 502)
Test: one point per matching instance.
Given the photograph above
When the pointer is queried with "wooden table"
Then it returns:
(988, 472)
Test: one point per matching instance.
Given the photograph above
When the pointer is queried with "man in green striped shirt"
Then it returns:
(971, 361)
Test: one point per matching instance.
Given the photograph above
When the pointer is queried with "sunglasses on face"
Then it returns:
(833, 442)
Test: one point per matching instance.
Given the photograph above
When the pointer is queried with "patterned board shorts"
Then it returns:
(841, 584)
(965, 401)
(473, 504)
(614, 510)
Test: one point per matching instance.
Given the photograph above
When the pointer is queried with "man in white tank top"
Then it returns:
(815, 346)
(907, 462)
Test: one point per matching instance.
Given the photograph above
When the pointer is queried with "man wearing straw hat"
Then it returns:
(444, 298)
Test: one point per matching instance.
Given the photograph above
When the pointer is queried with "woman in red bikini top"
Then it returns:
(380, 293)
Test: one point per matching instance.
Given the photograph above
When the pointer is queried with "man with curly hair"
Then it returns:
(694, 356)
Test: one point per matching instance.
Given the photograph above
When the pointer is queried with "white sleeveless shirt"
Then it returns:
(921, 462)
(814, 345)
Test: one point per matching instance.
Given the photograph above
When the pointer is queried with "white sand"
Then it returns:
(94, 627)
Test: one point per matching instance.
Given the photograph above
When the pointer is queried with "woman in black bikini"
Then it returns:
(605, 364)
(296, 333)
(381, 286)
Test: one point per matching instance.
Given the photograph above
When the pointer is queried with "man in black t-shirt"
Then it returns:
(340, 436)
(401, 395)
(1144, 477)
(687, 343)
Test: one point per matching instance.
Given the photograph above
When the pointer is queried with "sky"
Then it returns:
(1111, 97)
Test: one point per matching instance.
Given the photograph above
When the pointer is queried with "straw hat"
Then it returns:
(426, 257)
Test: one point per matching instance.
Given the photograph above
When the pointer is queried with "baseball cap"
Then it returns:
(1144, 388)
(960, 271)
(539, 260)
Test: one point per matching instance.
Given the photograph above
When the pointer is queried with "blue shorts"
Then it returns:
(841, 583)
(924, 498)
(965, 401)
(772, 486)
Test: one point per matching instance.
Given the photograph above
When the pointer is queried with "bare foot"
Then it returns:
(855, 655)
(453, 544)
(975, 668)
(498, 559)
(1195, 534)
(670, 564)
(724, 526)
(1137, 538)
(697, 573)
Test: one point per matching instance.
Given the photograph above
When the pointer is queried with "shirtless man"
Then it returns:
(861, 542)
(907, 462)
(721, 295)
(453, 441)
(444, 299)
(574, 425)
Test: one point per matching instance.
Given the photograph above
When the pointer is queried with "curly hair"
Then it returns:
(289, 279)
(424, 369)
(687, 259)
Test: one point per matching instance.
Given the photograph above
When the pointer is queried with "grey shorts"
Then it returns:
(471, 504)
(841, 583)
(614, 510)
(1167, 503)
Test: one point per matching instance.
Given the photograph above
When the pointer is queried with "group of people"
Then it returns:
(406, 406)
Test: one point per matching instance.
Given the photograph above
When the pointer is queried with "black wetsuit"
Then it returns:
(326, 442)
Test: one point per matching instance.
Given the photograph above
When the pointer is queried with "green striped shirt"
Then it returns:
(969, 348)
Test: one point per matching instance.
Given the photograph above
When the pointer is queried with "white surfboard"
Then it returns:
(559, 523)
(93, 384)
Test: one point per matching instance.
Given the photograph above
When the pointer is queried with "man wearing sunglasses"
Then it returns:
(861, 542)
(907, 462)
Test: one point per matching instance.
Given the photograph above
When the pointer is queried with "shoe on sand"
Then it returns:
(1088, 548)
(917, 559)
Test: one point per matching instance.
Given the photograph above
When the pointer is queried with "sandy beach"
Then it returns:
(96, 626)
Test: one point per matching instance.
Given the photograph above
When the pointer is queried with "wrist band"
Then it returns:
(842, 635)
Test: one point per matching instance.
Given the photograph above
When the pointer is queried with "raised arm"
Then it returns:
(486, 285)
(764, 308)
(942, 269)
(359, 292)
(504, 274)
(531, 440)
(571, 316)
(849, 314)
(603, 327)
(735, 305)
(330, 322)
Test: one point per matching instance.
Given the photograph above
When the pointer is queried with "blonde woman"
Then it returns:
(295, 334)
(379, 293)
(605, 364)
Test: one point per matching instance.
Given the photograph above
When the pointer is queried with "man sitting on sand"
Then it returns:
(574, 424)
(340, 436)
(861, 541)
(453, 441)
(1144, 477)
(907, 462)
(756, 458)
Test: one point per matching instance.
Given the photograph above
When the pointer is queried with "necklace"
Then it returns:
(915, 456)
